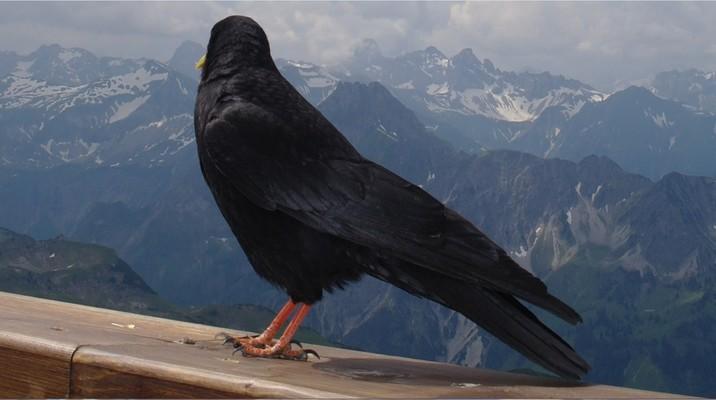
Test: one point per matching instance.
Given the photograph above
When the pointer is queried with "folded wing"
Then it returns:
(315, 176)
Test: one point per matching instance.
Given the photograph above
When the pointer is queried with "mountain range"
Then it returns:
(474, 105)
(633, 253)
(68, 106)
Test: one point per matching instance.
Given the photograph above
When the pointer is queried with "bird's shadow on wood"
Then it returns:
(407, 372)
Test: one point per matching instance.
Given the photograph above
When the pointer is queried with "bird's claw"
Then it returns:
(240, 341)
(310, 351)
(298, 355)
(227, 338)
(301, 354)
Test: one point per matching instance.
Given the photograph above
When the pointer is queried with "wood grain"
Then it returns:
(31, 367)
(94, 381)
(175, 371)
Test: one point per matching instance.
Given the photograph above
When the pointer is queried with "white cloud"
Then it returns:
(600, 43)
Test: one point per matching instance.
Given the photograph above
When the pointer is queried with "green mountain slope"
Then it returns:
(76, 272)
(93, 275)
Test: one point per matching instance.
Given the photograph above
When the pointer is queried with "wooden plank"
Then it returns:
(128, 355)
(99, 381)
(32, 367)
(160, 372)
(339, 373)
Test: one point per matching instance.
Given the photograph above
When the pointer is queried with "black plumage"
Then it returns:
(312, 214)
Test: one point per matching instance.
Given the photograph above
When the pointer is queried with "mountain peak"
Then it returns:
(433, 51)
(381, 128)
(466, 57)
(676, 179)
(58, 65)
(604, 165)
(634, 95)
(637, 90)
(435, 58)
(63, 53)
(185, 57)
(375, 90)
(373, 101)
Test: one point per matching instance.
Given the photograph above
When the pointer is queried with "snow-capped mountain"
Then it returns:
(459, 93)
(62, 105)
(463, 84)
(313, 81)
(640, 131)
(692, 87)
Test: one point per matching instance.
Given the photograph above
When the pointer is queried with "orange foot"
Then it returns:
(276, 351)
(265, 346)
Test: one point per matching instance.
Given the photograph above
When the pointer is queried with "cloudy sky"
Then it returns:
(600, 43)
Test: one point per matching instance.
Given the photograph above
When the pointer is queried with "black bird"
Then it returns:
(312, 214)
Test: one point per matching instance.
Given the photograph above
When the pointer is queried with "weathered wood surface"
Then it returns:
(54, 349)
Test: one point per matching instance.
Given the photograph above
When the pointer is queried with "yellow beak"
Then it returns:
(201, 62)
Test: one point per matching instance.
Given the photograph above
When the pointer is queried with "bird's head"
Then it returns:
(236, 42)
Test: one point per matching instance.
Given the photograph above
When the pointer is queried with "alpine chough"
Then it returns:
(312, 214)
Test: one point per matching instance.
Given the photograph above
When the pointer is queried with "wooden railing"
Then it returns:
(55, 349)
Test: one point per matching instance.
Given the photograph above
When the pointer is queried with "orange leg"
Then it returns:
(282, 348)
(266, 337)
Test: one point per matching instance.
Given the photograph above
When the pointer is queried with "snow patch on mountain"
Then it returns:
(25, 91)
(672, 142)
(503, 101)
(659, 119)
(596, 193)
(48, 146)
(181, 87)
(74, 101)
(463, 344)
(125, 109)
(89, 147)
(522, 252)
(300, 65)
(314, 82)
(130, 82)
(70, 150)
(392, 135)
(406, 85)
(22, 69)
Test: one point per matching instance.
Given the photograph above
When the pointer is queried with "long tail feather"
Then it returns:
(500, 314)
